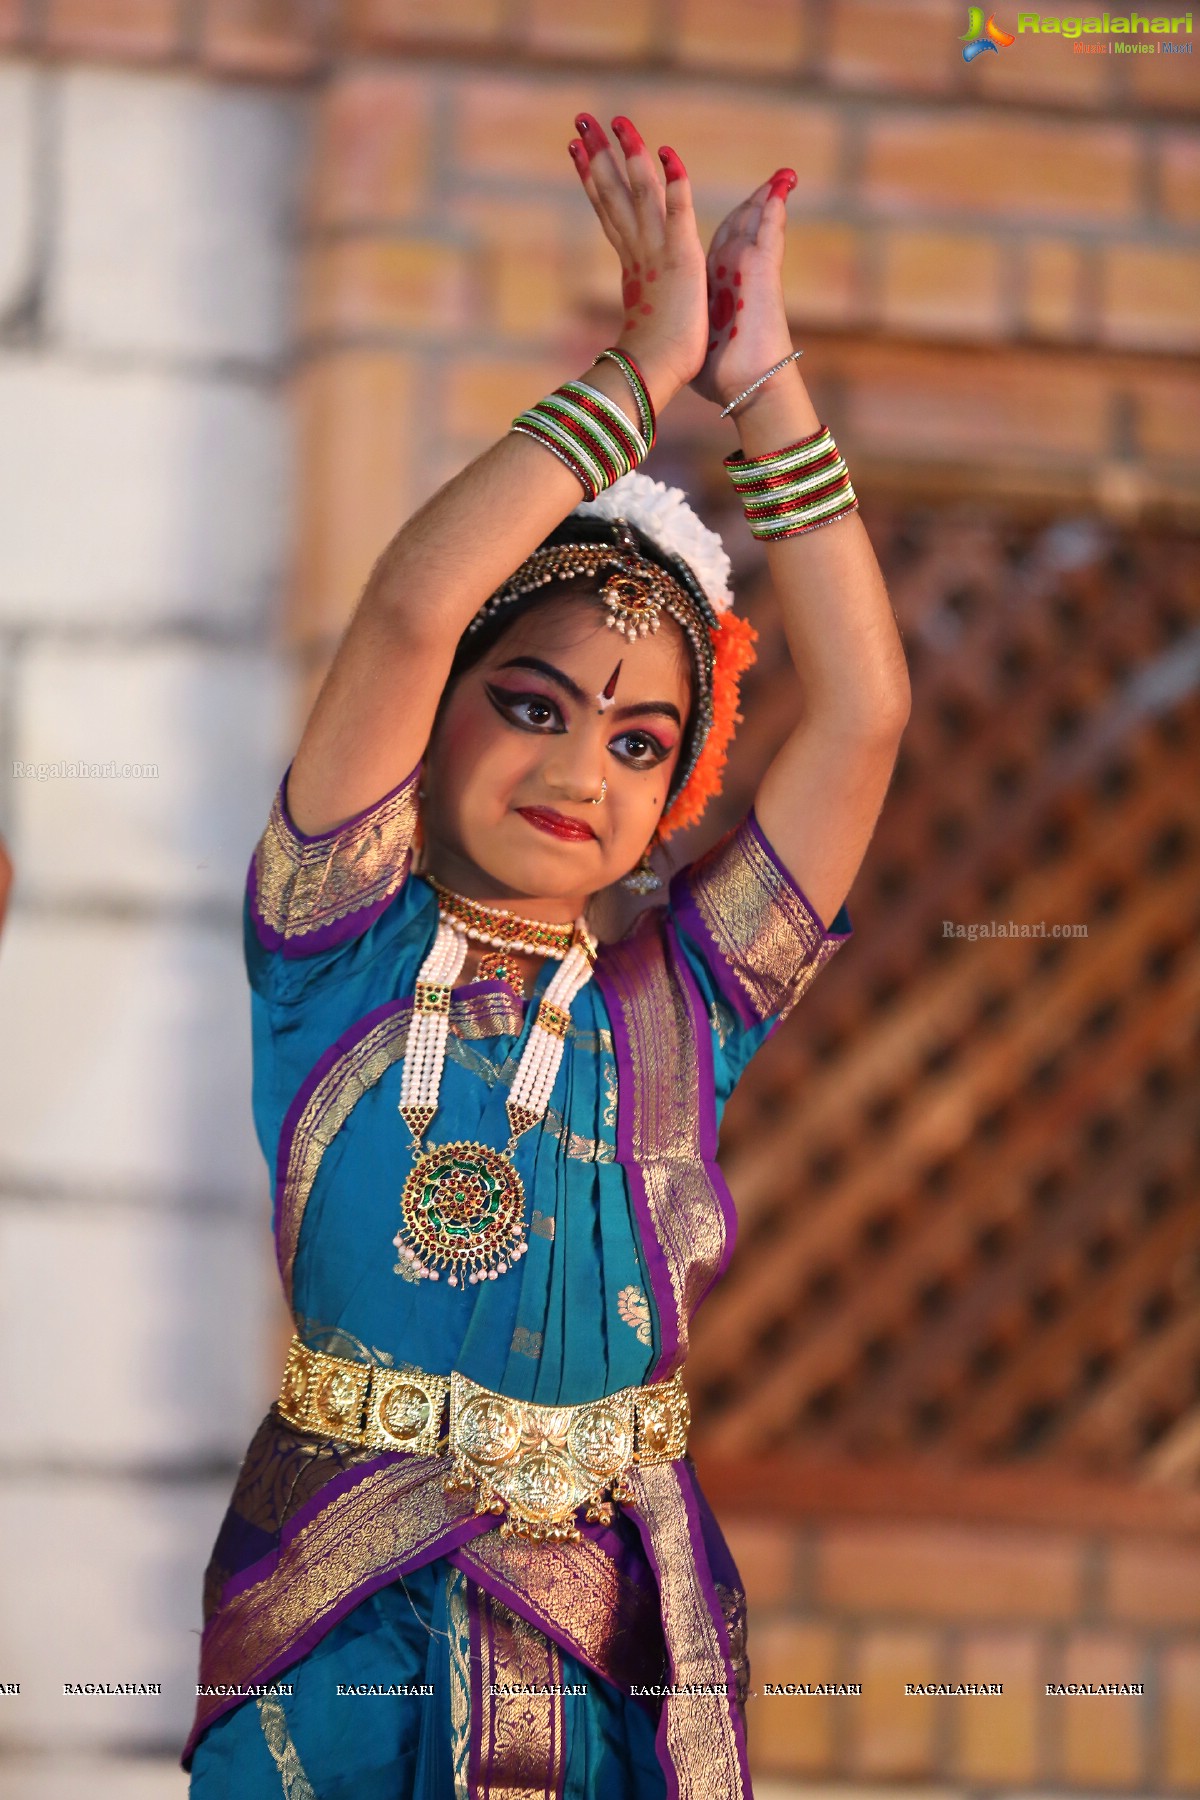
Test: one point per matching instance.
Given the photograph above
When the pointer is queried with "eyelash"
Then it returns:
(507, 702)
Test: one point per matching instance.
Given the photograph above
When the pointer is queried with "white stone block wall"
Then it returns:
(148, 226)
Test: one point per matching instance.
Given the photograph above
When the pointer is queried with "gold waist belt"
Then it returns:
(535, 1464)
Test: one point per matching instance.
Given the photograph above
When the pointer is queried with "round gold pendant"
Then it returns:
(501, 965)
(463, 1208)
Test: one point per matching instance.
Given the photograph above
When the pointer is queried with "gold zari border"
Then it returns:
(521, 1730)
(665, 1136)
(771, 940)
(701, 1740)
(392, 1516)
(307, 884)
(579, 1597)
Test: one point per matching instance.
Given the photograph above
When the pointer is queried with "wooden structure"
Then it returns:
(968, 1173)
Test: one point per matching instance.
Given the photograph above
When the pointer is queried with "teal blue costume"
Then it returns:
(298, 1614)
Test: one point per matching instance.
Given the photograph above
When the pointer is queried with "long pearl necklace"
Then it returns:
(463, 1205)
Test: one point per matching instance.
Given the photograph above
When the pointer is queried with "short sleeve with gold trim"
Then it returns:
(753, 937)
(308, 896)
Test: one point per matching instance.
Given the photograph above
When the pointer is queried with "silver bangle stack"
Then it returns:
(754, 385)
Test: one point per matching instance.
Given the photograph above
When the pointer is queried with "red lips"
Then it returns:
(557, 824)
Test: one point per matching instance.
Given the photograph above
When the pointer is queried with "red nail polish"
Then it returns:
(672, 167)
(780, 189)
(593, 131)
(579, 155)
(628, 135)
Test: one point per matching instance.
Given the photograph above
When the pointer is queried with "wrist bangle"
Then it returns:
(793, 490)
(755, 385)
(641, 393)
(588, 432)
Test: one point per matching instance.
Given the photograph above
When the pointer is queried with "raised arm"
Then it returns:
(372, 717)
(820, 798)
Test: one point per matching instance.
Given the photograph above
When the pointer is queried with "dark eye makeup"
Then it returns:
(510, 702)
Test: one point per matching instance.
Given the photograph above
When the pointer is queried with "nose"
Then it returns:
(575, 775)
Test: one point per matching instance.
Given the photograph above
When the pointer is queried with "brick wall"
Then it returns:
(995, 267)
(886, 1602)
(145, 227)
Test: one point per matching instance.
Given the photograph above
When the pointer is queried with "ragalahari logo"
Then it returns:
(982, 37)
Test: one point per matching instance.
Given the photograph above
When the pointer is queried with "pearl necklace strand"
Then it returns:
(425, 1058)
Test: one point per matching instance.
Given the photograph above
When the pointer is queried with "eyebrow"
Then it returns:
(573, 688)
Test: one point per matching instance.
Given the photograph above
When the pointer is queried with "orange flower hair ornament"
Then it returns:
(650, 554)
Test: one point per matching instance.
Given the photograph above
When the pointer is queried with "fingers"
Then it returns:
(579, 156)
(681, 217)
(745, 220)
(613, 201)
(582, 161)
(772, 217)
(645, 184)
(736, 224)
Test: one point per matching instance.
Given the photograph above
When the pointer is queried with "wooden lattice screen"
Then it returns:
(968, 1173)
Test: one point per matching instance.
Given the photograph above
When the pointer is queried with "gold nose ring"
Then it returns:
(601, 794)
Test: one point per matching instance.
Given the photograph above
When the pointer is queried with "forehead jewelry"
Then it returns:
(635, 592)
(609, 696)
(463, 1204)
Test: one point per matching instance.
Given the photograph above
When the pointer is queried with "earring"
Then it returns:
(642, 879)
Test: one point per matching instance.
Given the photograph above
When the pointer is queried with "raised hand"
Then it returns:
(648, 219)
(748, 328)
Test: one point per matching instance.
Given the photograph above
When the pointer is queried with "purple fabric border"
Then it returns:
(294, 949)
(457, 1532)
(707, 1105)
(513, 1597)
(689, 1488)
(608, 970)
(686, 911)
(616, 963)
(291, 1118)
(785, 874)
(687, 1483)
(353, 924)
(476, 1759)
(705, 1076)
(660, 1736)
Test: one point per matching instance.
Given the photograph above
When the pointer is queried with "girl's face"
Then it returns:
(524, 739)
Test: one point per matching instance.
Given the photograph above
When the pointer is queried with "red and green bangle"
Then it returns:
(588, 432)
(641, 393)
(793, 490)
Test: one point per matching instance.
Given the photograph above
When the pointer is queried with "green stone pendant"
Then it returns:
(463, 1208)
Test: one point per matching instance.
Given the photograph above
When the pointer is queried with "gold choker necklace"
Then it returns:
(503, 930)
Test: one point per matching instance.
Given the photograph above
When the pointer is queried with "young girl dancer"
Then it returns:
(467, 1553)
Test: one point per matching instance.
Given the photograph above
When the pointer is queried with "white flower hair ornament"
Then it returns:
(664, 514)
(648, 553)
